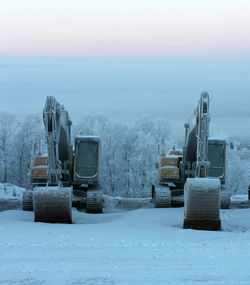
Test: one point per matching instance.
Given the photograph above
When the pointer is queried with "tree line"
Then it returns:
(129, 152)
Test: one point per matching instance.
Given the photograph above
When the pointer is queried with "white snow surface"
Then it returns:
(172, 156)
(144, 246)
(8, 191)
(203, 184)
(87, 137)
(169, 167)
(41, 167)
(240, 198)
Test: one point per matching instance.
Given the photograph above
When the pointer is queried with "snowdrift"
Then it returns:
(10, 196)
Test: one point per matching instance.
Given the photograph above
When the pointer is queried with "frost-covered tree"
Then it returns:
(15, 147)
(28, 129)
(238, 176)
(129, 152)
(7, 133)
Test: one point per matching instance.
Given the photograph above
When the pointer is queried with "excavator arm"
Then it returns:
(202, 133)
(51, 118)
(53, 203)
(58, 137)
(202, 194)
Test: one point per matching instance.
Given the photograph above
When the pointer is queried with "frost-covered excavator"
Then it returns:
(180, 164)
(201, 193)
(72, 174)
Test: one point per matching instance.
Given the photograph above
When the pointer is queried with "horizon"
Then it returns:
(125, 89)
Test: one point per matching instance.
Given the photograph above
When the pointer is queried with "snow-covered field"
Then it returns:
(144, 246)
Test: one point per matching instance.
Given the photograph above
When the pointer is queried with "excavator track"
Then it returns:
(225, 199)
(53, 204)
(28, 200)
(94, 201)
(161, 196)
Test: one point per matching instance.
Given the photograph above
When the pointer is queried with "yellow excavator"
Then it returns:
(179, 164)
(72, 173)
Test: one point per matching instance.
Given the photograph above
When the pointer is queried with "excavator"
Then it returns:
(201, 193)
(73, 173)
(180, 164)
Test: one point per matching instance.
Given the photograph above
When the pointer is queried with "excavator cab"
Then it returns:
(217, 159)
(86, 167)
(86, 172)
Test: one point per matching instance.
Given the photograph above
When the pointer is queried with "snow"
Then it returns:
(10, 191)
(144, 246)
(172, 156)
(240, 201)
(10, 196)
(203, 184)
(239, 198)
(45, 155)
(41, 167)
(115, 204)
(95, 138)
(169, 167)
(177, 149)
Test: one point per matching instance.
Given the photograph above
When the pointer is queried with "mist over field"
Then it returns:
(125, 89)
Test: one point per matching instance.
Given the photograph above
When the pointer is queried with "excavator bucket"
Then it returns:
(53, 204)
(202, 204)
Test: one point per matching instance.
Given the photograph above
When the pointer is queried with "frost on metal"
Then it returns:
(94, 201)
(53, 204)
(169, 167)
(172, 156)
(225, 198)
(202, 204)
(161, 196)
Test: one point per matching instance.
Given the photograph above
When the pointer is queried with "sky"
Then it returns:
(131, 28)
(127, 58)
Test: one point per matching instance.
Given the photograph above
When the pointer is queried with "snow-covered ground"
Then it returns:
(143, 246)
(10, 196)
(10, 191)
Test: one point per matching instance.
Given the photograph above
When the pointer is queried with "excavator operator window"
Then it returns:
(87, 159)
(216, 159)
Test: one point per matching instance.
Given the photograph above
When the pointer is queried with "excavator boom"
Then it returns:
(53, 203)
(202, 128)
(202, 194)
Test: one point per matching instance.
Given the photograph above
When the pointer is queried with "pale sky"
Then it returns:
(131, 28)
(124, 58)
(126, 89)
